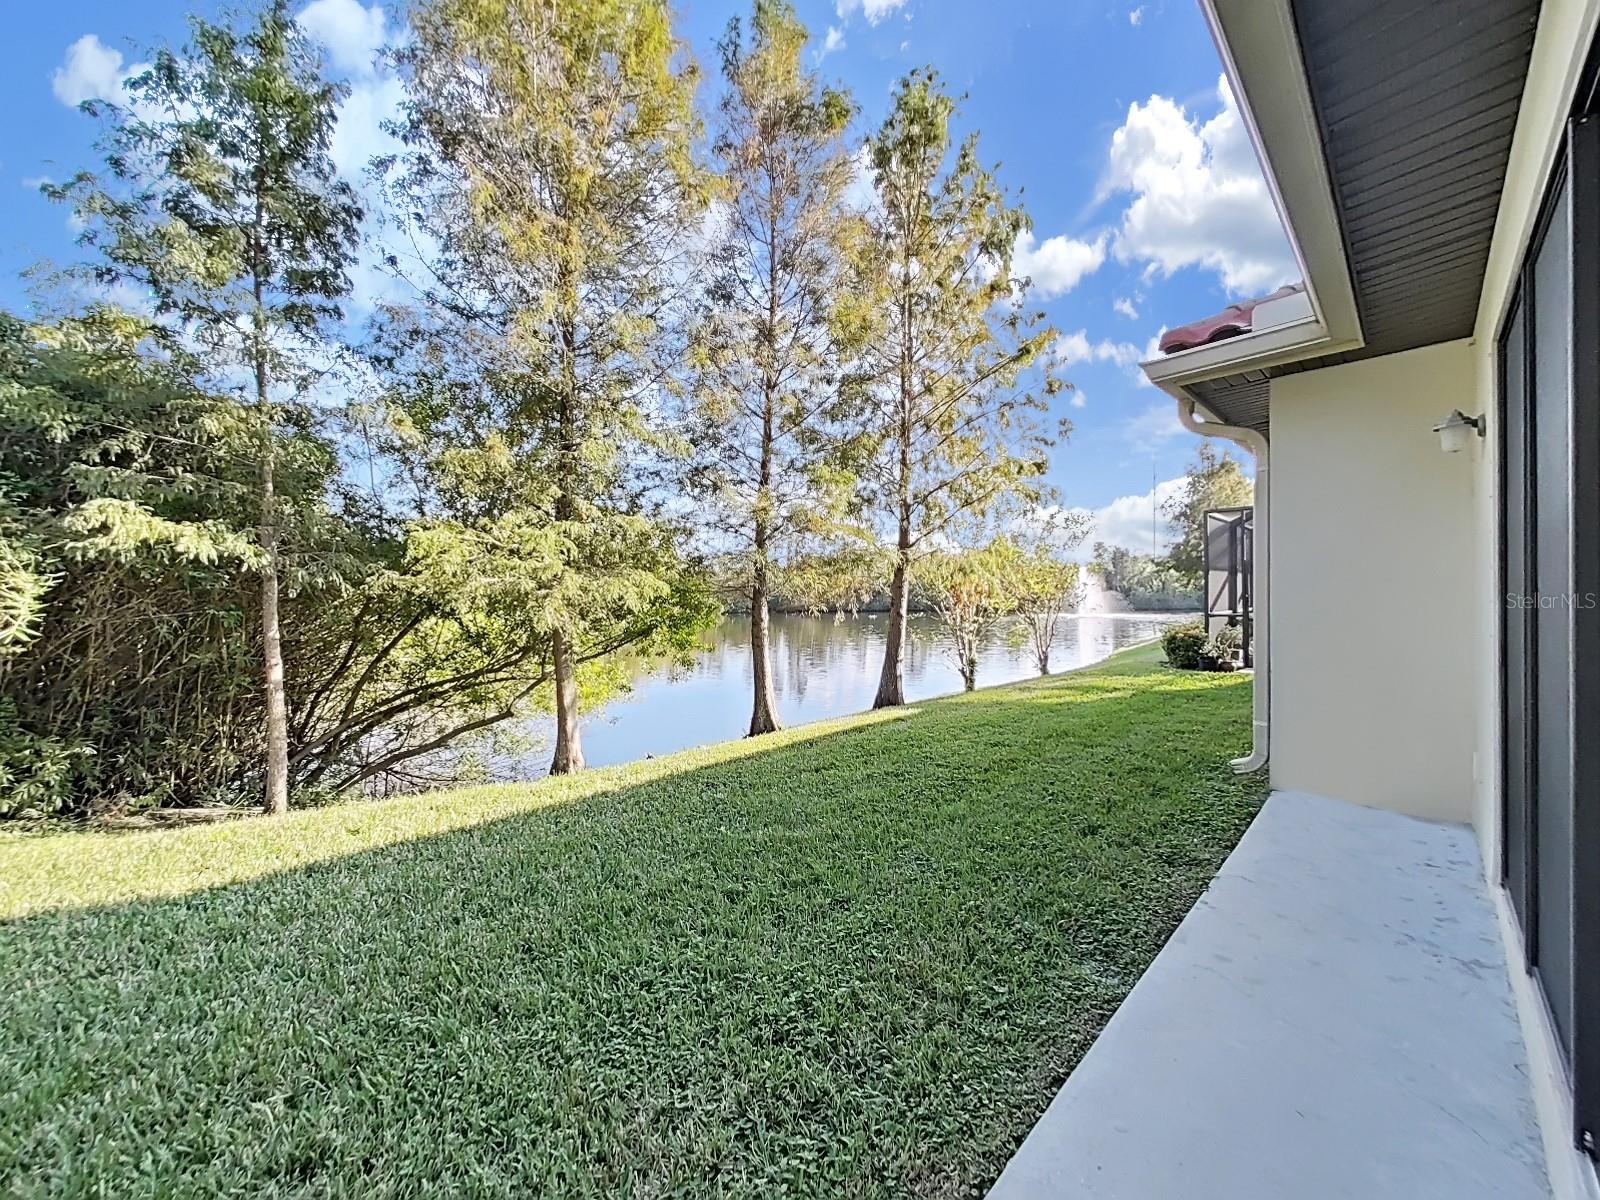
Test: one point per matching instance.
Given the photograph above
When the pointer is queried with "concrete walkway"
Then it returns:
(1333, 1019)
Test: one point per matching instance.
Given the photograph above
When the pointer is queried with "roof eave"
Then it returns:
(1255, 351)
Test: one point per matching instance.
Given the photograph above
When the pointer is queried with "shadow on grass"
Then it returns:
(856, 962)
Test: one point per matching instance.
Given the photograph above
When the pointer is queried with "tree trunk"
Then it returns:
(569, 743)
(277, 790)
(969, 671)
(891, 683)
(563, 663)
(764, 710)
(763, 706)
(276, 797)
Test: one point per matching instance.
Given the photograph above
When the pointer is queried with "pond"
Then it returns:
(823, 668)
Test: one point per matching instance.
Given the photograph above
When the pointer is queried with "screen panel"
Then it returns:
(1554, 591)
(1516, 624)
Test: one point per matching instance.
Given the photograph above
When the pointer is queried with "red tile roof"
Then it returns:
(1230, 322)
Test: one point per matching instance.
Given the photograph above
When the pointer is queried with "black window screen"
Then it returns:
(1550, 511)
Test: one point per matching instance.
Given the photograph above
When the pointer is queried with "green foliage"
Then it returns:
(767, 430)
(1044, 587)
(550, 162)
(971, 590)
(37, 773)
(1146, 583)
(220, 200)
(954, 370)
(1212, 481)
(955, 362)
(218, 179)
(856, 963)
(134, 494)
(1183, 644)
(178, 515)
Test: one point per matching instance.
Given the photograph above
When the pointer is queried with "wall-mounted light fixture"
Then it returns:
(1456, 431)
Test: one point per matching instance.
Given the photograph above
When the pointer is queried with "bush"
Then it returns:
(1182, 644)
(37, 774)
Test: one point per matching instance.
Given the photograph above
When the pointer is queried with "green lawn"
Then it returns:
(855, 959)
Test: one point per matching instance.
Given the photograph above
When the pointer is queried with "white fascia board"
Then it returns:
(1260, 54)
(1248, 352)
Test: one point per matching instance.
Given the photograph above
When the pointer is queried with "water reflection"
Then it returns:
(823, 668)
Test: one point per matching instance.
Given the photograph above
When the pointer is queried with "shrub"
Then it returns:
(1182, 644)
(37, 774)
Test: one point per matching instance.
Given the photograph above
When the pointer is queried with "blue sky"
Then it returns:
(1107, 115)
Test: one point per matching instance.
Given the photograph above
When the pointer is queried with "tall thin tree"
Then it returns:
(220, 197)
(1215, 479)
(553, 151)
(766, 420)
(958, 368)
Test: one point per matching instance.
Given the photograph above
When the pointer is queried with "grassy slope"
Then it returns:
(857, 960)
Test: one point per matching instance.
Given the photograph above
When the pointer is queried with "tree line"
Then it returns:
(645, 356)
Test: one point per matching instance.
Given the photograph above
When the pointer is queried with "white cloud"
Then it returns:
(1126, 307)
(1076, 397)
(833, 41)
(874, 10)
(1198, 196)
(92, 70)
(1073, 348)
(359, 137)
(862, 194)
(1133, 522)
(1152, 350)
(1149, 430)
(1076, 347)
(1136, 16)
(352, 35)
(118, 293)
(1057, 264)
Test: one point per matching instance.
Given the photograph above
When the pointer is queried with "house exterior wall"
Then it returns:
(1374, 575)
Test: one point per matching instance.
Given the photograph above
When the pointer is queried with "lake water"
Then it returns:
(823, 668)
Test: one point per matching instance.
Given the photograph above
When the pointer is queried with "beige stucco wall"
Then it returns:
(1373, 563)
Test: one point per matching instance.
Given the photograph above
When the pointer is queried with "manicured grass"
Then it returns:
(853, 959)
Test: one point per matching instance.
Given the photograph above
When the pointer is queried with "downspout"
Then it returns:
(1256, 444)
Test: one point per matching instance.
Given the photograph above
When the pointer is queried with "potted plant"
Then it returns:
(1224, 651)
